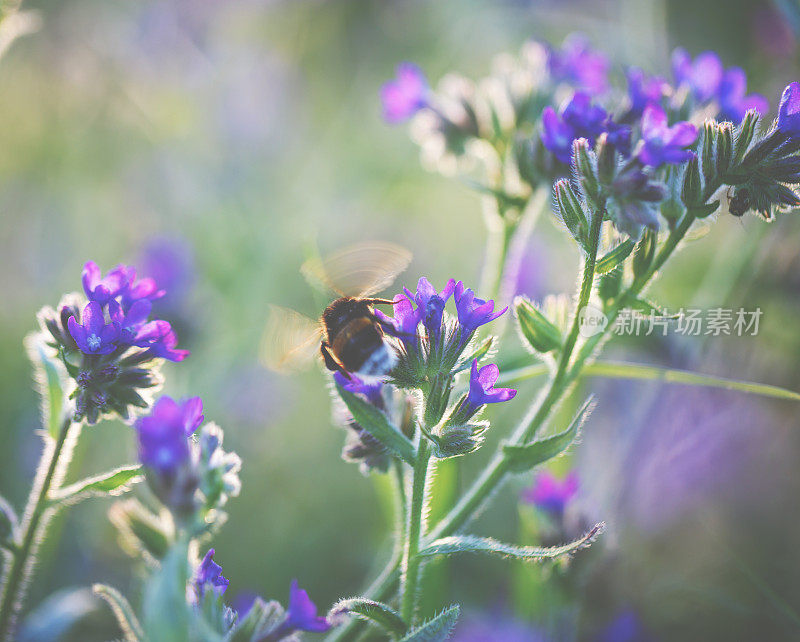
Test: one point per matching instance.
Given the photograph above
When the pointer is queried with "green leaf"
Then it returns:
(377, 612)
(166, 613)
(537, 330)
(473, 544)
(479, 354)
(126, 618)
(523, 458)
(613, 258)
(50, 379)
(436, 629)
(702, 211)
(112, 482)
(376, 423)
(623, 370)
(647, 308)
(140, 532)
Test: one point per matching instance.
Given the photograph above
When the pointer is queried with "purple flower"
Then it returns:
(94, 335)
(143, 289)
(171, 264)
(160, 340)
(481, 386)
(663, 144)
(789, 110)
(579, 118)
(131, 322)
(578, 63)
(164, 433)
(372, 391)
(733, 102)
(209, 574)
(556, 135)
(404, 323)
(472, 311)
(643, 89)
(302, 613)
(625, 627)
(405, 95)
(703, 75)
(101, 289)
(430, 304)
(550, 494)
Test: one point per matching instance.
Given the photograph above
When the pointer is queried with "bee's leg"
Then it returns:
(331, 362)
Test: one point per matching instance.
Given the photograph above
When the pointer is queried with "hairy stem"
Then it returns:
(37, 514)
(411, 560)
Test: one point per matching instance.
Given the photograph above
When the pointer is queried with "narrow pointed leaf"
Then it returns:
(648, 308)
(624, 370)
(376, 423)
(126, 618)
(113, 482)
(479, 354)
(51, 384)
(472, 544)
(537, 330)
(523, 458)
(437, 629)
(372, 611)
(613, 258)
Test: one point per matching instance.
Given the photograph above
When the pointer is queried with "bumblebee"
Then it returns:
(352, 338)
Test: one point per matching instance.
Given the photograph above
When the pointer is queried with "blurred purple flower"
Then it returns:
(405, 95)
(170, 262)
(773, 33)
(662, 144)
(430, 304)
(643, 89)
(732, 99)
(93, 335)
(209, 575)
(789, 110)
(481, 386)
(164, 433)
(551, 494)
(576, 62)
(101, 289)
(702, 75)
(372, 391)
(556, 135)
(472, 311)
(302, 613)
(626, 627)
(494, 628)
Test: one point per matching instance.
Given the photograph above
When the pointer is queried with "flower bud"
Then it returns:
(571, 211)
(539, 332)
(744, 135)
(709, 164)
(692, 190)
(610, 284)
(454, 441)
(606, 160)
(724, 148)
(644, 252)
(586, 170)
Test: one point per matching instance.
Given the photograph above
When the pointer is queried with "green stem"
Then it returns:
(411, 560)
(33, 527)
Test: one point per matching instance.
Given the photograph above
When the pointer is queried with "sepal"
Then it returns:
(537, 330)
(615, 257)
(262, 619)
(644, 252)
(141, 533)
(454, 441)
(571, 211)
(375, 612)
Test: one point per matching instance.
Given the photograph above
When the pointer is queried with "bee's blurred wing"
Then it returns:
(290, 341)
(358, 270)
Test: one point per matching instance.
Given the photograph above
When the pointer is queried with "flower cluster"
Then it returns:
(191, 477)
(262, 621)
(108, 343)
(430, 344)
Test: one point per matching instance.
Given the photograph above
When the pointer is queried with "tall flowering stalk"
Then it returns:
(96, 355)
(631, 174)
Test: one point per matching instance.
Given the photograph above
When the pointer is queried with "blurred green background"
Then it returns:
(245, 133)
